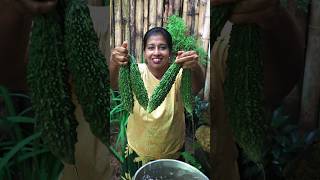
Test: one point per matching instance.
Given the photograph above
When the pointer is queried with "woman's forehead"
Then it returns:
(157, 38)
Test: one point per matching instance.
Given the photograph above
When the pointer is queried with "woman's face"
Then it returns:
(157, 52)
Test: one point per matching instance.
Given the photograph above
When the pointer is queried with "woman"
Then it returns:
(159, 134)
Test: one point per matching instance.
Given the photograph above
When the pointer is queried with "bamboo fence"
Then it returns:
(130, 19)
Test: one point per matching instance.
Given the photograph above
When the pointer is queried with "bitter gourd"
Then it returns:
(88, 68)
(186, 90)
(137, 84)
(48, 81)
(244, 91)
(160, 92)
(125, 88)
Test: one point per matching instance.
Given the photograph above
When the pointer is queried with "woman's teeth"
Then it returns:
(156, 60)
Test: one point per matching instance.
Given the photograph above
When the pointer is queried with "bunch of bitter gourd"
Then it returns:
(243, 86)
(64, 44)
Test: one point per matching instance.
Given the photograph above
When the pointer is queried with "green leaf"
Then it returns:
(20, 119)
(8, 101)
(17, 148)
(190, 159)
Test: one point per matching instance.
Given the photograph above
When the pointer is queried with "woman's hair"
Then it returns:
(158, 31)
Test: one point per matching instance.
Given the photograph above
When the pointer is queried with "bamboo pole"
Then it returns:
(132, 27)
(159, 12)
(196, 19)
(191, 16)
(177, 7)
(171, 7)
(206, 93)
(185, 10)
(152, 13)
(146, 16)
(125, 20)
(112, 23)
(118, 15)
(202, 10)
(139, 29)
(166, 11)
(311, 82)
(206, 28)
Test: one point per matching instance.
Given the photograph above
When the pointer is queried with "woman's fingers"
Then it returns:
(188, 61)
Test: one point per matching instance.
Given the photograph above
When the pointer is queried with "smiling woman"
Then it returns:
(159, 131)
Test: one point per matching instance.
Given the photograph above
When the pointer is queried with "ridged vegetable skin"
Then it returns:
(186, 90)
(48, 82)
(88, 68)
(160, 92)
(137, 85)
(244, 91)
(125, 88)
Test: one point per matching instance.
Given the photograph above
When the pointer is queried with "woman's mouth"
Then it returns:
(156, 60)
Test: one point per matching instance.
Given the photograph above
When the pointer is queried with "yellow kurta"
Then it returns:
(159, 134)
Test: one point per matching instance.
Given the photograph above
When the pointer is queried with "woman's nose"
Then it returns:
(156, 51)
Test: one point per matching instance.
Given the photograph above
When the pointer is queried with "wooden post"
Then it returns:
(171, 7)
(132, 27)
(206, 28)
(139, 29)
(152, 13)
(177, 7)
(166, 10)
(112, 22)
(118, 15)
(159, 12)
(185, 10)
(146, 16)
(125, 21)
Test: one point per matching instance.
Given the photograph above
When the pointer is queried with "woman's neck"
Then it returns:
(158, 72)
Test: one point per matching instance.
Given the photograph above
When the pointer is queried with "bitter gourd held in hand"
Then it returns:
(160, 92)
(125, 89)
(137, 84)
(88, 68)
(244, 91)
(48, 81)
(186, 90)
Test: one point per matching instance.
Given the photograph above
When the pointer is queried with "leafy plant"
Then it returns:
(287, 144)
(181, 40)
(22, 154)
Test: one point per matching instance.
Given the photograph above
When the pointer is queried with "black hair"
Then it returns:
(157, 31)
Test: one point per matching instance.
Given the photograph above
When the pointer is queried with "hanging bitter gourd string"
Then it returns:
(50, 93)
(160, 92)
(88, 68)
(125, 89)
(244, 84)
(137, 84)
(244, 92)
(186, 90)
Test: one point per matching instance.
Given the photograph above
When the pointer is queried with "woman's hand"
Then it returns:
(188, 59)
(119, 55)
(32, 7)
(252, 11)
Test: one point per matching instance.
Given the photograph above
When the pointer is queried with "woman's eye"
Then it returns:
(163, 47)
(150, 48)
